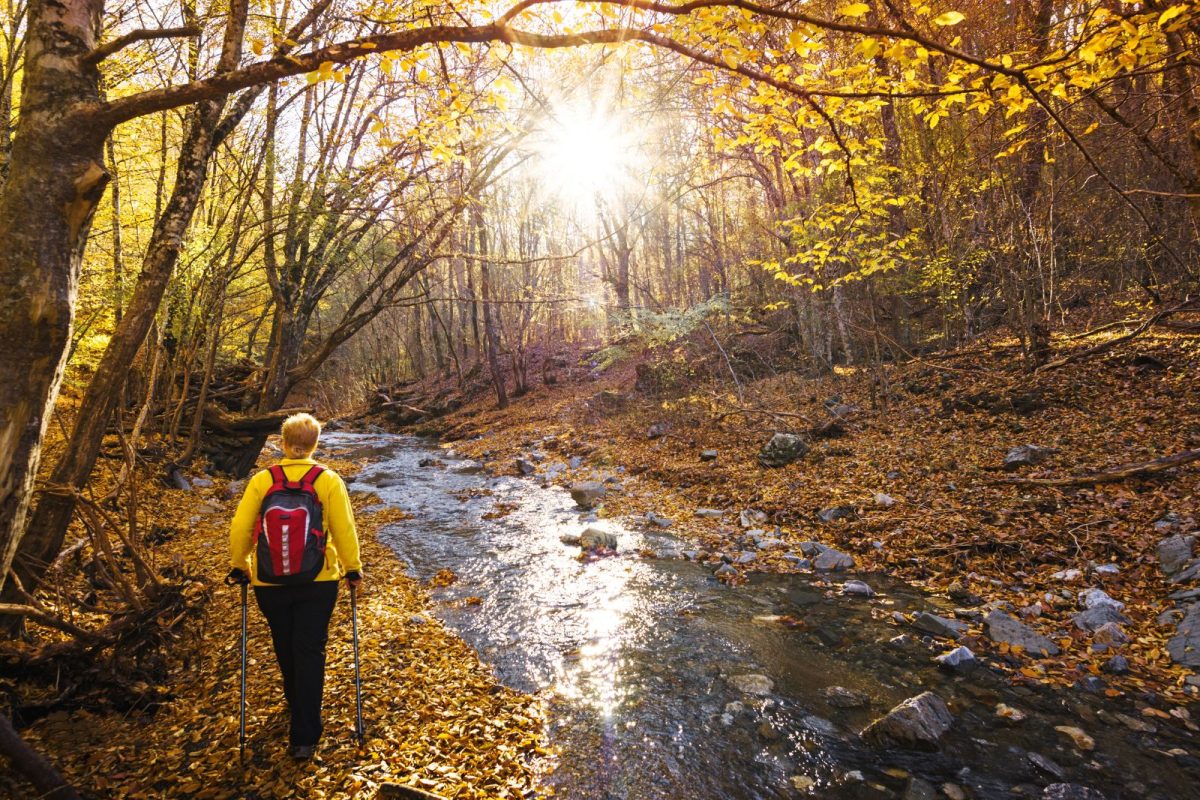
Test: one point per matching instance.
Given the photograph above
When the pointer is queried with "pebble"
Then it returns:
(1117, 665)
(1094, 598)
(960, 659)
(1108, 569)
(884, 500)
(725, 569)
(751, 684)
(857, 589)
(1009, 713)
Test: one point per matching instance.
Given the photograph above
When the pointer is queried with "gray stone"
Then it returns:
(770, 543)
(588, 494)
(202, 482)
(751, 684)
(884, 500)
(1095, 618)
(1174, 552)
(831, 560)
(598, 539)
(658, 430)
(1094, 598)
(782, 449)
(658, 521)
(857, 589)
(709, 513)
(746, 557)
(938, 626)
(725, 570)
(1189, 573)
(1185, 594)
(919, 790)
(1110, 634)
(471, 467)
(919, 722)
(1046, 765)
(1117, 665)
(818, 725)
(234, 489)
(1108, 569)
(796, 561)
(835, 513)
(1184, 646)
(811, 549)
(1070, 791)
(960, 659)
(206, 508)
(841, 697)
(575, 462)
(570, 539)
(525, 466)
(752, 517)
(1026, 455)
(1003, 628)
(691, 555)
(709, 455)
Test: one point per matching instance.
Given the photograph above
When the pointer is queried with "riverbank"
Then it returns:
(435, 716)
(913, 488)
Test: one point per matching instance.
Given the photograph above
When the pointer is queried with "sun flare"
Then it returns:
(586, 152)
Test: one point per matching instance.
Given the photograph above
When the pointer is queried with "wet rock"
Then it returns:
(818, 725)
(938, 626)
(754, 684)
(960, 659)
(835, 513)
(857, 589)
(469, 467)
(570, 539)
(1174, 553)
(1077, 736)
(831, 560)
(1026, 455)
(782, 449)
(658, 430)
(919, 789)
(841, 697)
(725, 571)
(768, 731)
(796, 561)
(708, 455)
(434, 462)
(597, 539)
(1009, 713)
(919, 722)
(691, 555)
(901, 641)
(1095, 618)
(884, 500)
(658, 520)
(588, 494)
(1046, 765)
(1184, 646)
(1070, 791)
(1003, 628)
(575, 462)
(953, 791)
(525, 466)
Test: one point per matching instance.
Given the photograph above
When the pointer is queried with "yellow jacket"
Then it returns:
(341, 548)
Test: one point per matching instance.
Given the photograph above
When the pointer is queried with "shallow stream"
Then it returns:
(635, 656)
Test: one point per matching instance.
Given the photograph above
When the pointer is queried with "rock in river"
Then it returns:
(857, 588)
(960, 659)
(939, 626)
(751, 684)
(919, 722)
(588, 494)
(1070, 791)
(1003, 628)
(598, 539)
(782, 449)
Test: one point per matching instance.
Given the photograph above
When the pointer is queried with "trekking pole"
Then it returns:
(359, 730)
(229, 581)
(242, 722)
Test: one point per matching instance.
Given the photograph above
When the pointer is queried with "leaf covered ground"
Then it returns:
(435, 717)
(931, 434)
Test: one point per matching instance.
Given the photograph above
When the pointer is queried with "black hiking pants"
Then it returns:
(299, 620)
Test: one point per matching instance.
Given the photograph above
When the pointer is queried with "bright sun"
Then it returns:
(586, 153)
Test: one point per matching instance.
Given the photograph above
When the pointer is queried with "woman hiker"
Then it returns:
(293, 537)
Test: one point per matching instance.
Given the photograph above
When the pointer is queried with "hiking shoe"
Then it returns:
(302, 752)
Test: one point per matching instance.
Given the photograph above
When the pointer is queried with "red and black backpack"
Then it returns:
(290, 534)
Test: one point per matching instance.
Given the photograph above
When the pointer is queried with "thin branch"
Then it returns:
(140, 35)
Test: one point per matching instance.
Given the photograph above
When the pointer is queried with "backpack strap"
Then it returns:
(278, 477)
(310, 478)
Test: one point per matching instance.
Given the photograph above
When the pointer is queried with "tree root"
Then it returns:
(1114, 475)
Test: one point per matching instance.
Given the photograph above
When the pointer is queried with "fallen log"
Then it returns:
(33, 765)
(217, 418)
(1149, 322)
(1113, 475)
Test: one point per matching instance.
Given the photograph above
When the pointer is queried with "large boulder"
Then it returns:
(1184, 646)
(588, 494)
(918, 723)
(782, 449)
(1003, 628)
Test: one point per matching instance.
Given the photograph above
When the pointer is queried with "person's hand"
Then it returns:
(237, 577)
(354, 578)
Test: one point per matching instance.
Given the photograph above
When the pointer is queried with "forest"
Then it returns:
(738, 398)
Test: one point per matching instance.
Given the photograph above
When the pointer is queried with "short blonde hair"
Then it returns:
(300, 434)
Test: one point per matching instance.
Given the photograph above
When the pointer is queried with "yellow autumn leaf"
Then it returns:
(1170, 14)
(854, 10)
(257, 46)
(948, 18)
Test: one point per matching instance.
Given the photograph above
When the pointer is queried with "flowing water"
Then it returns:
(635, 656)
